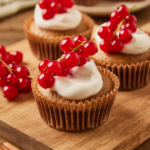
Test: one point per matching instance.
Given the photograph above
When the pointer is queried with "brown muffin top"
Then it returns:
(120, 58)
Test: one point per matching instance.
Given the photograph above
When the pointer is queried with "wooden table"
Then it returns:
(11, 31)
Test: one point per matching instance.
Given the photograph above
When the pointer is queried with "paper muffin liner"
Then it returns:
(86, 2)
(48, 47)
(76, 116)
(131, 76)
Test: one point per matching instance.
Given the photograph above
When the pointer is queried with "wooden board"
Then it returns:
(128, 125)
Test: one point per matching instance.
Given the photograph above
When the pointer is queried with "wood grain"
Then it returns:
(128, 125)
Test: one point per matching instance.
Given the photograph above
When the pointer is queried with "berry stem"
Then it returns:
(130, 9)
(74, 50)
(10, 70)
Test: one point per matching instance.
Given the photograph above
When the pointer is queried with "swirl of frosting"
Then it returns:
(60, 22)
(139, 44)
(83, 82)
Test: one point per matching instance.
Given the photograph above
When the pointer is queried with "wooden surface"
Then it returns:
(128, 125)
(11, 31)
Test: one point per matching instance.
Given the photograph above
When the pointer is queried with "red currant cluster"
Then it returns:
(13, 77)
(76, 52)
(121, 23)
(52, 7)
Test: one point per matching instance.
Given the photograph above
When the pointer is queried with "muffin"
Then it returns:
(86, 3)
(78, 100)
(45, 32)
(128, 55)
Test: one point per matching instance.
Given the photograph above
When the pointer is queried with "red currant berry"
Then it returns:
(123, 11)
(78, 40)
(12, 79)
(6, 57)
(65, 70)
(111, 25)
(43, 66)
(105, 33)
(10, 91)
(62, 57)
(131, 26)
(83, 59)
(46, 81)
(90, 48)
(13, 66)
(106, 46)
(44, 4)
(72, 59)
(131, 18)
(22, 72)
(114, 16)
(3, 80)
(56, 7)
(68, 3)
(2, 49)
(3, 69)
(47, 14)
(54, 68)
(17, 57)
(24, 83)
(117, 46)
(64, 10)
(67, 45)
(125, 35)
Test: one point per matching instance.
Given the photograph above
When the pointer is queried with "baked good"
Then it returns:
(45, 32)
(79, 100)
(126, 53)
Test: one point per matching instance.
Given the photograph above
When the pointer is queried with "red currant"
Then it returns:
(47, 14)
(24, 83)
(44, 4)
(54, 68)
(67, 45)
(105, 33)
(131, 26)
(43, 66)
(17, 57)
(63, 57)
(83, 59)
(45, 80)
(72, 59)
(114, 16)
(65, 70)
(111, 25)
(90, 48)
(2, 49)
(3, 80)
(106, 46)
(13, 66)
(10, 91)
(68, 3)
(125, 35)
(6, 57)
(123, 11)
(131, 18)
(3, 69)
(56, 7)
(12, 79)
(64, 10)
(22, 72)
(117, 46)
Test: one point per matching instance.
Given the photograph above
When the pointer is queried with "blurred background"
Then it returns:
(14, 12)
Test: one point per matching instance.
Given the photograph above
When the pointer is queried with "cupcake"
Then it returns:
(86, 3)
(124, 50)
(51, 23)
(72, 94)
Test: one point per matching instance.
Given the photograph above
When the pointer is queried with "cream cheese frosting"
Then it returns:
(81, 83)
(139, 44)
(60, 22)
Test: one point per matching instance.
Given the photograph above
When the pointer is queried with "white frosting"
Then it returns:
(82, 83)
(60, 22)
(140, 42)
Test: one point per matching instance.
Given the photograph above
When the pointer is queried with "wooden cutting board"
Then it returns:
(128, 125)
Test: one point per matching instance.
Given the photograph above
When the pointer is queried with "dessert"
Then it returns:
(52, 22)
(86, 3)
(124, 49)
(72, 94)
(13, 78)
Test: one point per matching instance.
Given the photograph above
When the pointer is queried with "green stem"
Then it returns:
(10, 70)
(130, 9)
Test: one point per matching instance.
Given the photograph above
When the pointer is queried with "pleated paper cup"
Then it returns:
(48, 47)
(76, 116)
(86, 2)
